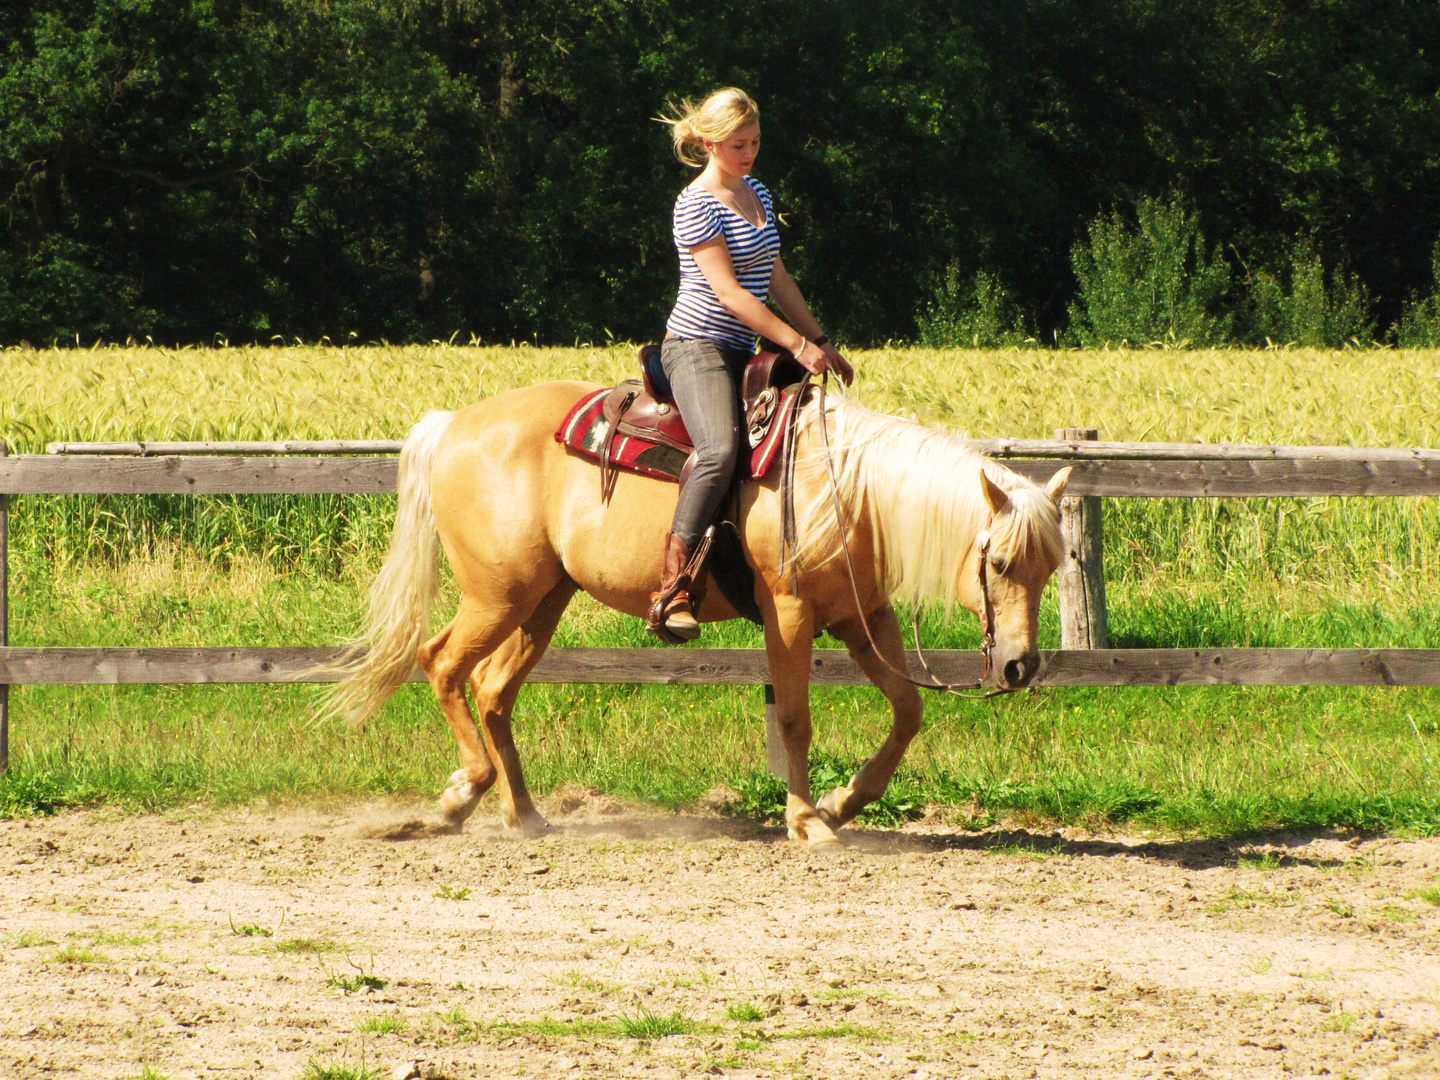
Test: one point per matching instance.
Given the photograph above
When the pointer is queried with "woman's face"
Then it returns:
(736, 155)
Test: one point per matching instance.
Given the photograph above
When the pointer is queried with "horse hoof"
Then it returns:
(457, 803)
(824, 849)
(531, 825)
(829, 807)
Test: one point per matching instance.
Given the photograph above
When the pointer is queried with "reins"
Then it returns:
(987, 608)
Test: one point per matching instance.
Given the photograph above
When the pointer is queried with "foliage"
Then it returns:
(1419, 325)
(1155, 281)
(644, 1023)
(1318, 309)
(980, 316)
(329, 1069)
(403, 169)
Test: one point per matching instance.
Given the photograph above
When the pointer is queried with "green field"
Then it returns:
(292, 570)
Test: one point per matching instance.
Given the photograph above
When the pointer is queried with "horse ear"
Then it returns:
(1058, 483)
(994, 494)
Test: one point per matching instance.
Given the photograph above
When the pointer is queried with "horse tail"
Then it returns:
(383, 656)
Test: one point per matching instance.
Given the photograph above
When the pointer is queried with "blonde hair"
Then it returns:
(716, 118)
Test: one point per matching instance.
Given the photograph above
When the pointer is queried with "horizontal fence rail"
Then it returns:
(287, 446)
(41, 474)
(747, 667)
(1072, 449)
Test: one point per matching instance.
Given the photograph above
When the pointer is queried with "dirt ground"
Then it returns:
(353, 939)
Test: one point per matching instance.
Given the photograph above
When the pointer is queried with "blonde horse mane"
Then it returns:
(918, 490)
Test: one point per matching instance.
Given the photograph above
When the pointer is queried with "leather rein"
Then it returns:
(987, 607)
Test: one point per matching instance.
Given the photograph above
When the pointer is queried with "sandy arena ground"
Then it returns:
(276, 943)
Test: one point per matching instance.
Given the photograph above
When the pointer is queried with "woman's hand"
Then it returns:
(818, 359)
(838, 364)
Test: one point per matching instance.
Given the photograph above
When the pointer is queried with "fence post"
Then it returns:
(1081, 578)
(4, 619)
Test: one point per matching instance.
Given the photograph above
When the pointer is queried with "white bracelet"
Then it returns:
(801, 351)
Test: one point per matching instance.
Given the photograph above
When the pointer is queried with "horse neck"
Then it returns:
(916, 492)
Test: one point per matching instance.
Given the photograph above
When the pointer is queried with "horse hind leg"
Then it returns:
(448, 659)
(840, 806)
(477, 773)
(496, 685)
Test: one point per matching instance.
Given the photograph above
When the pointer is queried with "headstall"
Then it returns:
(987, 607)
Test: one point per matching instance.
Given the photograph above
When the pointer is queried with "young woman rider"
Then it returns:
(729, 266)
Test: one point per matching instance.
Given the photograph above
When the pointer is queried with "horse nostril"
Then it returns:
(1015, 672)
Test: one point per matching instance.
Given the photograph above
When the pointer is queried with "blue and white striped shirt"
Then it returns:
(700, 216)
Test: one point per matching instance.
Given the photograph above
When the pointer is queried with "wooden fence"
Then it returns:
(1170, 470)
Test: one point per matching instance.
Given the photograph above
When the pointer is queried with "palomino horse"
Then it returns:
(523, 525)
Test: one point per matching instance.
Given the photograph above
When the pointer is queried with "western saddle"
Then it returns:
(645, 409)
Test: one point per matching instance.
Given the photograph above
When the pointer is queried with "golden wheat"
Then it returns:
(1381, 397)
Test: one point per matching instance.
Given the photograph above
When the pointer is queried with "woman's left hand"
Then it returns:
(837, 363)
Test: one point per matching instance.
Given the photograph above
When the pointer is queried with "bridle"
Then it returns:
(987, 606)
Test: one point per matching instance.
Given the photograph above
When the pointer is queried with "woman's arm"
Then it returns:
(791, 301)
(713, 260)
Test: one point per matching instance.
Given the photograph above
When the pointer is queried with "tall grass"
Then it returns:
(1181, 573)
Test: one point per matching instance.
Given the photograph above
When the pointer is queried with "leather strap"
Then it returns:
(987, 617)
(607, 470)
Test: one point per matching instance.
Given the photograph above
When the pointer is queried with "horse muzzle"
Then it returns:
(1015, 672)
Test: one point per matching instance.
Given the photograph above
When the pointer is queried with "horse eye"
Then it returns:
(999, 565)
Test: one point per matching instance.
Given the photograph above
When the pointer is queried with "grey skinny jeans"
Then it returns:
(705, 379)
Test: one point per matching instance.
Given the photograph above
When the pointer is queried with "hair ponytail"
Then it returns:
(715, 119)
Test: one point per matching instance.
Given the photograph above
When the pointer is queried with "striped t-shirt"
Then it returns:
(700, 216)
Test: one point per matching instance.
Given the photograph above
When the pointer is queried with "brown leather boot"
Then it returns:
(671, 618)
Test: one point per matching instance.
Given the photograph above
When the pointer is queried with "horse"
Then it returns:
(523, 526)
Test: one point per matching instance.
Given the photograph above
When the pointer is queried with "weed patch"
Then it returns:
(645, 1024)
(745, 1012)
(391, 1024)
(77, 954)
(304, 946)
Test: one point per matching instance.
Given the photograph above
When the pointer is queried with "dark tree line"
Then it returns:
(403, 169)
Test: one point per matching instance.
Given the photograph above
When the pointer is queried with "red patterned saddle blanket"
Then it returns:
(637, 429)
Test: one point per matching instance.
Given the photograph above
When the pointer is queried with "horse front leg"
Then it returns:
(841, 805)
(789, 632)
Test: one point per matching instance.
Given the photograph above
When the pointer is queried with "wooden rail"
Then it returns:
(1145, 470)
(747, 667)
(37, 474)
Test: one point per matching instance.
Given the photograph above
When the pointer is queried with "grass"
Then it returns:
(582, 981)
(305, 946)
(382, 1025)
(837, 1031)
(272, 570)
(1340, 1022)
(353, 984)
(1248, 899)
(1431, 895)
(645, 1024)
(745, 1012)
(1266, 861)
(77, 954)
(446, 892)
(329, 1069)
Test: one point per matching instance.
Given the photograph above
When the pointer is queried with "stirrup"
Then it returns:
(671, 619)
